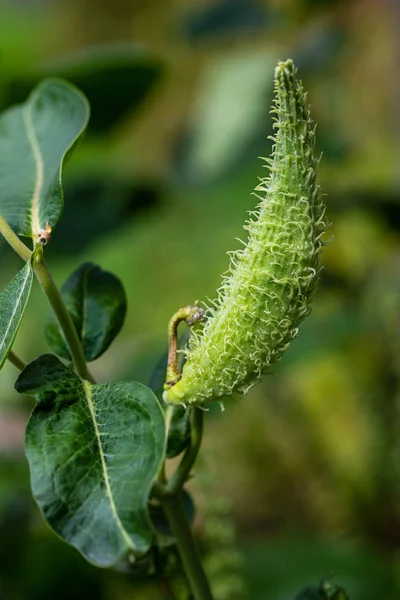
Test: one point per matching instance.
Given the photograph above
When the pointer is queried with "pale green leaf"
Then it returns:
(94, 452)
(13, 302)
(35, 138)
(232, 95)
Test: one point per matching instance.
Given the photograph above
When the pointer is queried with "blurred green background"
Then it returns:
(301, 478)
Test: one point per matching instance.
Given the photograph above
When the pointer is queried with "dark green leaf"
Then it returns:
(311, 593)
(94, 452)
(13, 302)
(116, 78)
(35, 138)
(179, 431)
(96, 302)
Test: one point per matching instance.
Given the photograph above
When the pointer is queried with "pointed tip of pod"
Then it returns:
(285, 74)
(286, 66)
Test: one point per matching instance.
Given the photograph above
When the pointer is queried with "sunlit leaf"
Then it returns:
(94, 452)
(96, 302)
(13, 302)
(35, 138)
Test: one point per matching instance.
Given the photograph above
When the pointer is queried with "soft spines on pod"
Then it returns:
(272, 280)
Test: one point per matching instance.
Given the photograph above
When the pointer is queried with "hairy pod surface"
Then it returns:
(272, 280)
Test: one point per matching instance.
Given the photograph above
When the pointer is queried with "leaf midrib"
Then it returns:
(88, 394)
(34, 143)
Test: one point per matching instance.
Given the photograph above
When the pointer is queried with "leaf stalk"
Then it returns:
(13, 240)
(16, 361)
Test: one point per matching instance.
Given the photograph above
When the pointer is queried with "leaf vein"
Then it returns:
(32, 138)
(88, 393)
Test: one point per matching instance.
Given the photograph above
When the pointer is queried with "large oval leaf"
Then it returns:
(94, 452)
(96, 301)
(13, 302)
(35, 138)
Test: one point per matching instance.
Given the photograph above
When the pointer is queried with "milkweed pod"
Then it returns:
(272, 280)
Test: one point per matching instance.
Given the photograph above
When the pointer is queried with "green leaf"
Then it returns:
(96, 302)
(13, 302)
(35, 138)
(94, 452)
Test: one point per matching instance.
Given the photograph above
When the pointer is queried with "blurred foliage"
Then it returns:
(115, 79)
(306, 478)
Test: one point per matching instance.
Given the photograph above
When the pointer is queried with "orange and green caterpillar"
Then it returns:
(272, 280)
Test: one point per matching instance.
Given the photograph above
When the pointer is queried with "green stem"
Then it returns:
(14, 241)
(16, 361)
(175, 513)
(170, 497)
(189, 458)
(64, 318)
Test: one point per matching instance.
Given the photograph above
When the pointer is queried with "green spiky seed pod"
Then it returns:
(272, 280)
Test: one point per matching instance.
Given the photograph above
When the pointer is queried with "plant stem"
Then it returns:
(50, 289)
(64, 318)
(16, 360)
(175, 513)
(170, 497)
(14, 241)
(189, 458)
